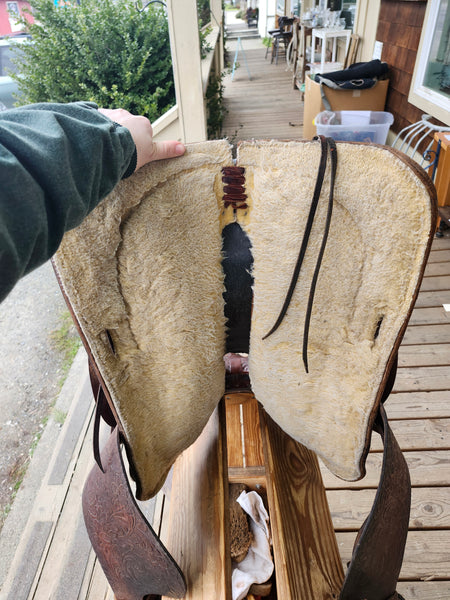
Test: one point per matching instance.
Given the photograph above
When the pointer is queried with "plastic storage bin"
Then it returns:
(354, 125)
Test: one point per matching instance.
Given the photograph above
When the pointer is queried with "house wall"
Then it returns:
(399, 28)
(7, 25)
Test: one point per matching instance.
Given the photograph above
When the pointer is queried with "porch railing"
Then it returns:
(187, 120)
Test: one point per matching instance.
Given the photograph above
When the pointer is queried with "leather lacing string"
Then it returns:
(234, 191)
(325, 145)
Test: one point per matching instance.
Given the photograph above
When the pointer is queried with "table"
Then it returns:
(325, 35)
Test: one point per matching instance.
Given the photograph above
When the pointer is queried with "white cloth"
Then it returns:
(257, 566)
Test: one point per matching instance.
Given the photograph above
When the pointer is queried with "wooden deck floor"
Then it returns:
(54, 559)
(265, 107)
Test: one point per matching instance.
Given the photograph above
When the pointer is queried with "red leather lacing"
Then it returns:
(234, 190)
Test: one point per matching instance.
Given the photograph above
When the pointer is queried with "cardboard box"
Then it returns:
(369, 99)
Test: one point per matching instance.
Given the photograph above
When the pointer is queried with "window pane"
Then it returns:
(437, 73)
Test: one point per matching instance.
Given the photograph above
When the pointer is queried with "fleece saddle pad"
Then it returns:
(144, 277)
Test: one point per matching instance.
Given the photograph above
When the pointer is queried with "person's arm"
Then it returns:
(57, 161)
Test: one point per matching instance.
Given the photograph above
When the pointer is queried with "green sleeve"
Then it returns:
(57, 161)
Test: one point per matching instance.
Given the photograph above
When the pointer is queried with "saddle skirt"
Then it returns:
(143, 275)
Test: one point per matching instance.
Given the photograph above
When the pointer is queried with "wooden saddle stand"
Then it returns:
(188, 555)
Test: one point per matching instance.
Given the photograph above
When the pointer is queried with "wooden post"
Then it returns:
(217, 21)
(186, 60)
(442, 181)
(366, 21)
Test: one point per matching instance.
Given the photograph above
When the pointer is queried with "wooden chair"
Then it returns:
(281, 38)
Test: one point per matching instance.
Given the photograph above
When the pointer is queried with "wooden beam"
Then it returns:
(187, 72)
(217, 20)
(306, 554)
(198, 537)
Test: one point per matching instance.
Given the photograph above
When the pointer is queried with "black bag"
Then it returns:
(357, 76)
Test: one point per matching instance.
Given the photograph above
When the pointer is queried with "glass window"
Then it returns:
(430, 88)
(437, 71)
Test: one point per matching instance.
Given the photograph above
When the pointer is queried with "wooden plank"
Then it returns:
(254, 456)
(98, 588)
(430, 284)
(427, 334)
(430, 508)
(441, 243)
(198, 516)
(433, 298)
(64, 536)
(427, 553)
(250, 475)
(264, 106)
(418, 405)
(430, 316)
(442, 255)
(420, 434)
(422, 379)
(234, 442)
(304, 544)
(244, 445)
(427, 468)
(424, 590)
(434, 269)
(417, 355)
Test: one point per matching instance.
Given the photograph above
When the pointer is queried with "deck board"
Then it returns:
(265, 107)
(419, 407)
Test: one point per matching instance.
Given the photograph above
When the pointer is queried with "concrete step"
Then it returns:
(232, 33)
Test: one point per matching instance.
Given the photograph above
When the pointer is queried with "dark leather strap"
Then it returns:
(102, 411)
(306, 235)
(132, 557)
(378, 552)
(333, 154)
(325, 144)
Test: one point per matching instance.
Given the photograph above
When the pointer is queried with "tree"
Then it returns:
(106, 51)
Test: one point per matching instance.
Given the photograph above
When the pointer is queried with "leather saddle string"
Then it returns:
(325, 144)
(309, 224)
(333, 156)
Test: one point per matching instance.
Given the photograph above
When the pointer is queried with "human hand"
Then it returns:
(142, 134)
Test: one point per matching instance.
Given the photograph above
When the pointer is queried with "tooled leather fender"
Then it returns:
(132, 557)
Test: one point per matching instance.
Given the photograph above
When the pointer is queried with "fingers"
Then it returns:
(168, 149)
(142, 134)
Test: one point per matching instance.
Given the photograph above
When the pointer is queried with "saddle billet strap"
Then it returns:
(378, 552)
(135, 562)
(102, 411)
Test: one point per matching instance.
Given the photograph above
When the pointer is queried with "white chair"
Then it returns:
(410, 138)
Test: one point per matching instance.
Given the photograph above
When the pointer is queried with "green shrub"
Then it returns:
(105, 51)
(203, 12)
